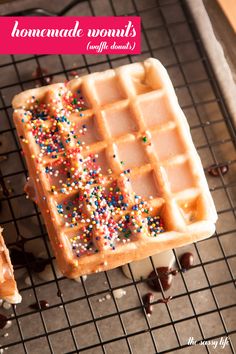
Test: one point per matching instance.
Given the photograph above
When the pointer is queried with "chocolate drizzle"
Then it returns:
(59, 293)
(40, 74)
(217, 170)
(40, 305)
(3, 321)
(147, 301)
(164, 300)
(24, 258)
(5, 190)
(186, 261)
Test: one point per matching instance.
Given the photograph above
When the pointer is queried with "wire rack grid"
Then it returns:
(78, 318)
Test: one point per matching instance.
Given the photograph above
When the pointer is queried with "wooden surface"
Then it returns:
(229, 8)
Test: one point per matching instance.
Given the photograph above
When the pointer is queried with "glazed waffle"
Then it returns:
(116, 175)
(8, 288)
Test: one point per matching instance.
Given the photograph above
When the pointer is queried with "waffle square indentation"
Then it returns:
(140, 83)
(59, 174)
(70, 210)
(100, 160)
(120, 121)
(144, 185)
(167, 143)
(180, 176)
(108, 91)
(155, 110)
(131, 154)
(86, 130)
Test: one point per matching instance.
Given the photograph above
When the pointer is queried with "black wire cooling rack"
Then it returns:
(80, 316)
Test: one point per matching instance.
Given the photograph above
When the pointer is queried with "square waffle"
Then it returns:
(8, 288)
(115, 172)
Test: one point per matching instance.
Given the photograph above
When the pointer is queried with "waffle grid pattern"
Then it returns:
(107, 145)
(122, 86)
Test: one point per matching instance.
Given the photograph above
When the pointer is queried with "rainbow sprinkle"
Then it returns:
(94, 205)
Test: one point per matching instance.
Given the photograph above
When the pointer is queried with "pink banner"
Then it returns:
(70, 35)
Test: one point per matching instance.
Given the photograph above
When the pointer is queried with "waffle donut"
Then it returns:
(116, 174)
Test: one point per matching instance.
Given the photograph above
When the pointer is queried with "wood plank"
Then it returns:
(229, 8)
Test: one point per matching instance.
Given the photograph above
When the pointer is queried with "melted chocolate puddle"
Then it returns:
(164, 279)
(165, 274)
